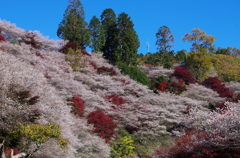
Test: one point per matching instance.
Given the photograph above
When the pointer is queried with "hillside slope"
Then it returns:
(44, 72)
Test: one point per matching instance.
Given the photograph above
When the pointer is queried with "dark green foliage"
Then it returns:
(151, 59)
(96, 34)
(181, 56)
(121, 39)
(140, 55)
(223, 51)
(160, 59)
(127, 40)
(108, 21)
(168, 60)
(73, 26)
(134, 73)
(161, 78)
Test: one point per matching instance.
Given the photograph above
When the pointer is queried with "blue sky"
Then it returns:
(219, 18)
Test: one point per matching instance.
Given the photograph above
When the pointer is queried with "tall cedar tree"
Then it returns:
(108, 21)
(164, 38)
(127, 40)
(96, 34)
(73, 26)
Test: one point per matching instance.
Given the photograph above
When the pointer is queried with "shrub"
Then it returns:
(182, 73)
(216, 84)
(2, 39)
(134, 73)
(122, 147)
(234, 98)
(73, 46)
(176, 87)
(161, 78)
(77, 105)
(162, 86)
(103, 124)
(39, 134)
(154, 85)
(188, 147)
(115, 99)
(106, 71)
(74, 57)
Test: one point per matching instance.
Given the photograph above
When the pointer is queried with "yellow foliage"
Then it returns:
(199, 40)
(199, 64)
(39, 133)
(123, 147)
(74, 57)
(227, 67)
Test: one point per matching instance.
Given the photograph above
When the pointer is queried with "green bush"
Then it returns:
(134, 73)
(122, 147)
(160, 79)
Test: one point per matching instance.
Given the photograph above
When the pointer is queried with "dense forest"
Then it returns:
(59, 101)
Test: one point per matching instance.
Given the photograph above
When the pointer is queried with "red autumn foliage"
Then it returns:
(176, 87)
(103, 124)
(85, 53)
(115, 99)
(93, 65)
(2, 39)
(74, 46)
(39, 55)
(8, 151)
(125, 82)
(182, 73)
(216, 84)
(235, 98)
(77, 105)
(187, 147)
(28, 38)
(106, 71)
(162, 86)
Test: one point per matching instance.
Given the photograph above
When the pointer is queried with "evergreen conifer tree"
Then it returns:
(108, 21)
(128, 42)
(96, 34)
(73, 26)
